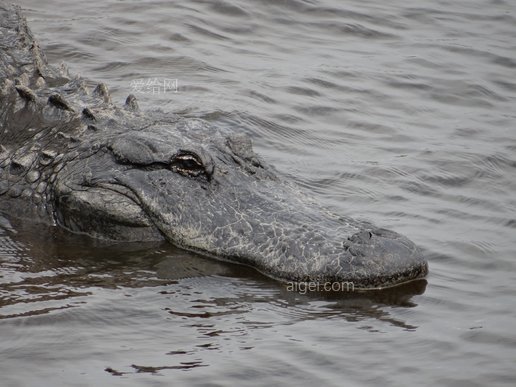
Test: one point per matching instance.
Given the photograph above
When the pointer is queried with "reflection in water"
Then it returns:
(41, 263)
(46, 271)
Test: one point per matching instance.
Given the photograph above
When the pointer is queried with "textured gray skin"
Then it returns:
(70, 157)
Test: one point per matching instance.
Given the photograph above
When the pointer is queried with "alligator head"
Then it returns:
(116, 173)
(206, 190)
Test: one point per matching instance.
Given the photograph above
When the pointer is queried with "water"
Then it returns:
(400, 113)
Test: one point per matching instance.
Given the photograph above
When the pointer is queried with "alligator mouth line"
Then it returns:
(133, 213)
(114, 212)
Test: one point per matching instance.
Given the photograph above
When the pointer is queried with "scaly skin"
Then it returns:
(72, 158)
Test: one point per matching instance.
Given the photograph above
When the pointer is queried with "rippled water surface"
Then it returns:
(400, 113)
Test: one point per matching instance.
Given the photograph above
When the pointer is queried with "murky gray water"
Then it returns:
(401, 113)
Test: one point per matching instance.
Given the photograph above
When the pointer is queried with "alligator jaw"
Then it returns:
(103, 212)
(274, 228)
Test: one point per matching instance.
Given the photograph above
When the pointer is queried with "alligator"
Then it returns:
(72, 158)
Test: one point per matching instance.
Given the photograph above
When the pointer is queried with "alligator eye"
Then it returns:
(187, 164)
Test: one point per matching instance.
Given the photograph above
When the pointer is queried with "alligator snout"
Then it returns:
(379, 258)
